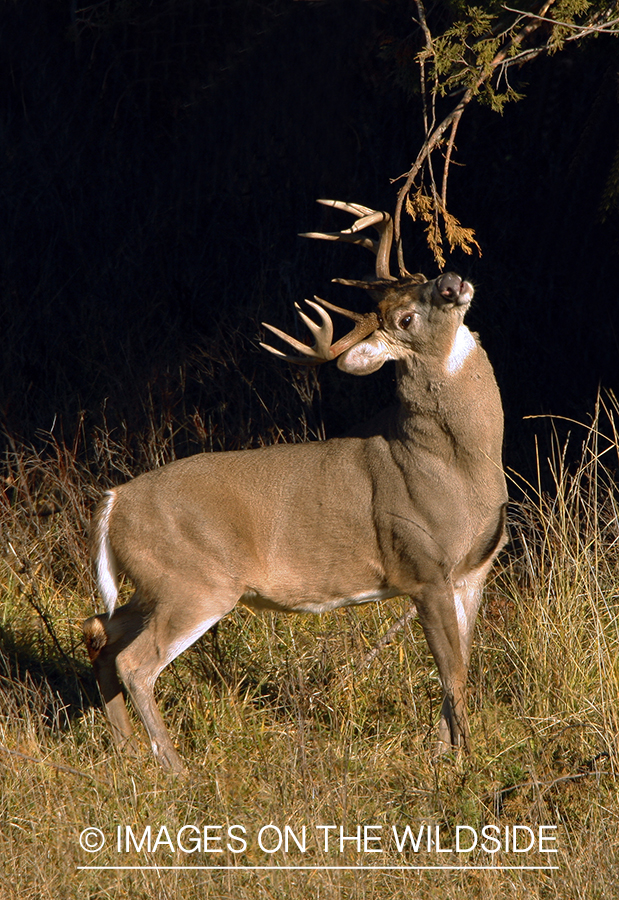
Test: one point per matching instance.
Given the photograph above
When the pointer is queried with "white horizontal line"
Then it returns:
(320, 868)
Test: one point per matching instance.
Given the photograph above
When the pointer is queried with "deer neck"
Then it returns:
(449, 403)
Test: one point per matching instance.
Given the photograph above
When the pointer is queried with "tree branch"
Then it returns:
(434, 133)
(606, 28)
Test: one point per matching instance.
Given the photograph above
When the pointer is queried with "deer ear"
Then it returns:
(365, 357)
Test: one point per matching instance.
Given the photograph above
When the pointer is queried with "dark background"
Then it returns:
(158, 160)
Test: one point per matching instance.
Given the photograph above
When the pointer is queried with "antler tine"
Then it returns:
(367, 217)
(362, 240)
(323, 335)
(355, 208)
(323, 350)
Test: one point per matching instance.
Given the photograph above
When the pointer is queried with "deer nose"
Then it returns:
(449, 286)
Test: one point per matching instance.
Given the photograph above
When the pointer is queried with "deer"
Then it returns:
(412, 505)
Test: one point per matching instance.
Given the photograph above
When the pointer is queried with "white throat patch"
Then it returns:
(462, 346)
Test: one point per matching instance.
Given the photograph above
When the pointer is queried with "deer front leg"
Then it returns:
(437, 613)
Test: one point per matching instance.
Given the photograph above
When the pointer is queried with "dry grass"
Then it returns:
(282, 725)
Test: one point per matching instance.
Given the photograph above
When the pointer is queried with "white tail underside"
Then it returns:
(107, 580)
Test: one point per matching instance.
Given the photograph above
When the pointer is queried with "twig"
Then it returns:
(606, 28)
(389, 635)
(430, 52)
(543, 787)
(46, 762)
(450, 146)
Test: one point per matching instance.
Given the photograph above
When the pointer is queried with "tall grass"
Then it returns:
(282, 724)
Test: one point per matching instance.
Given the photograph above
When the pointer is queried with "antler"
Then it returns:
(323, 350)
(381, 221)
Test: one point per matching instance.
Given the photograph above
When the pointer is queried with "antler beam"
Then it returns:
(367, 217)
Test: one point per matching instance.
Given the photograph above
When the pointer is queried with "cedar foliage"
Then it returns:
(469, 53)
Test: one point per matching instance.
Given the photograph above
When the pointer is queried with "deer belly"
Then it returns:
(256, 600)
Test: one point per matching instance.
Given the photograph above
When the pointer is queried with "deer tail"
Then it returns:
(103, 554)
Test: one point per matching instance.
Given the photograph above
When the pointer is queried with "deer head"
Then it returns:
(408, 315)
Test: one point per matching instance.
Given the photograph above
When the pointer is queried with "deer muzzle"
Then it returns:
(451, 289)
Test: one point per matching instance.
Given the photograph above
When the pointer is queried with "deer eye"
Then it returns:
(405, 321)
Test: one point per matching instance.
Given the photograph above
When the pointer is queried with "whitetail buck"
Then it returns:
(415, 506)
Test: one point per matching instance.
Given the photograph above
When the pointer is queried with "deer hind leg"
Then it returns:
(105, 637)
(135, 646)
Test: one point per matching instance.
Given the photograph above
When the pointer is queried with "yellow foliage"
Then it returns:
(439, 221)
